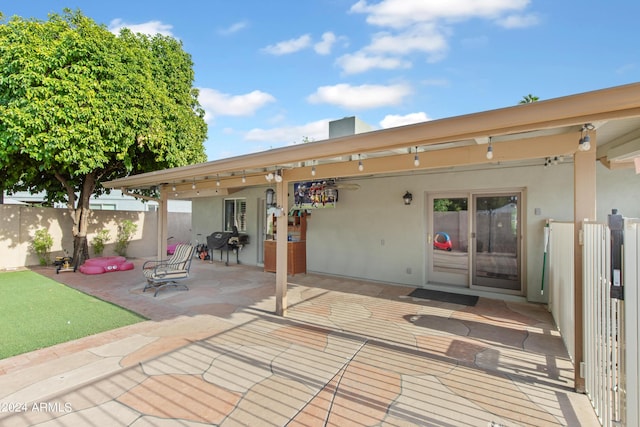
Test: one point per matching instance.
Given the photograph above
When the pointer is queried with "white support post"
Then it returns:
(584, 179)
(163, 224)
(281, 249)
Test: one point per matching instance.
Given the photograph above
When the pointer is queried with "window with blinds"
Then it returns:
(235, 214)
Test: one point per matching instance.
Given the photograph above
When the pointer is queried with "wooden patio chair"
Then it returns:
(169, 272)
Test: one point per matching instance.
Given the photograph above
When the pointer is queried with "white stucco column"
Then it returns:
(163, 224)
(584, 181)
(281, 248)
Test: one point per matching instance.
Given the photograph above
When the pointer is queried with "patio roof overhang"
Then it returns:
(519, 133)
(522, 132)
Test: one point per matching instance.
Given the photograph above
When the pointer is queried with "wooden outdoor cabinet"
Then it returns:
(296, 257)
(296, 247)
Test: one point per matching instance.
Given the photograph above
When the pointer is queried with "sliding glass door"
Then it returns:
(474, 240)
(448, 239)
(497, 241)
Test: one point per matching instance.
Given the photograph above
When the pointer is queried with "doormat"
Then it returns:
(469, 300)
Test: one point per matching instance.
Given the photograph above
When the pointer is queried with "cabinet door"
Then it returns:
(269, 256)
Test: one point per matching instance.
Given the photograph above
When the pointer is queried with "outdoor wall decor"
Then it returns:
(315, 195)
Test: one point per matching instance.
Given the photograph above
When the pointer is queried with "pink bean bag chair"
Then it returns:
(106, 264)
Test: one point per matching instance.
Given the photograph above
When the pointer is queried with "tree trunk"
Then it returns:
(80, 250)
(81, 221)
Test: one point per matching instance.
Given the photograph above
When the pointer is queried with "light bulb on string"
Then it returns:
(490, 150)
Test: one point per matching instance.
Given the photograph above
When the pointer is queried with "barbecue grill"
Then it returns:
(225, 241)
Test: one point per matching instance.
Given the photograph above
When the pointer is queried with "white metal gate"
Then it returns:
(603, 328)
(632, 321)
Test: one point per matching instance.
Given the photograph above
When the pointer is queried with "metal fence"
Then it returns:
(561, 278)
(611, 305)
(602, 327)
(631, 321)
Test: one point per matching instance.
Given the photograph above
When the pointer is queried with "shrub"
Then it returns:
(42, 244)
(126, 230)
(99, 241)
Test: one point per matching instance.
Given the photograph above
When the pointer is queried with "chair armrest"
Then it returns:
(154, 263)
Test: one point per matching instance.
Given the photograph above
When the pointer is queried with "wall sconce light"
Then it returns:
(585, 140)
(416, 159)
(408, 197)
(490, 150)
(270, 196)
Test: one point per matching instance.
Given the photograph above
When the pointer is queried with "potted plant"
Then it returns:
(42, 244)
(99, 241)
(126, 230)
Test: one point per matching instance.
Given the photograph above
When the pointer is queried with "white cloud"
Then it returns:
(401, 13)
(221, 104)
(289, 46)
(420, 26)
(324, 47)
(387, 49)
(393, 120)
(360, 97)
(288, 135)
(419, 38)
(233, 28)
(518, 21)
(360, 62)
(150, 28)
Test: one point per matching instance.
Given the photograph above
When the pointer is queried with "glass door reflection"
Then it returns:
(449, 239)
(496, 228)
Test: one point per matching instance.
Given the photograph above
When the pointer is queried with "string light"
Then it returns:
(416, 159)
(490, 150)
(585, 139)
(360, 165)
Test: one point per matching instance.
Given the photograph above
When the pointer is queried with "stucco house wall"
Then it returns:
(208, 217)
(372, 235)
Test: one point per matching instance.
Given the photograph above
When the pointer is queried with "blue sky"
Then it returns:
(274, 73)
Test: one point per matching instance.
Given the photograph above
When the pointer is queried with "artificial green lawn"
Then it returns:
(37, 312)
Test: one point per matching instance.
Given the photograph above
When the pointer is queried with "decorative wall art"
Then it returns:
(315, 195)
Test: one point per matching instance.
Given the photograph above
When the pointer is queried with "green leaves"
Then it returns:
(78, 101)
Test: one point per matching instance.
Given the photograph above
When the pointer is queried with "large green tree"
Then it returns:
(80, 105)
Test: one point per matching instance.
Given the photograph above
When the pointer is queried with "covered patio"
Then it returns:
(598, 129)
(348, 353)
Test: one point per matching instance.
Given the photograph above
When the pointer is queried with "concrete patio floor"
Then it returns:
(347, 353)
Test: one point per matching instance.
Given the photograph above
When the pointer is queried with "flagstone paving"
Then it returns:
(347, 353)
